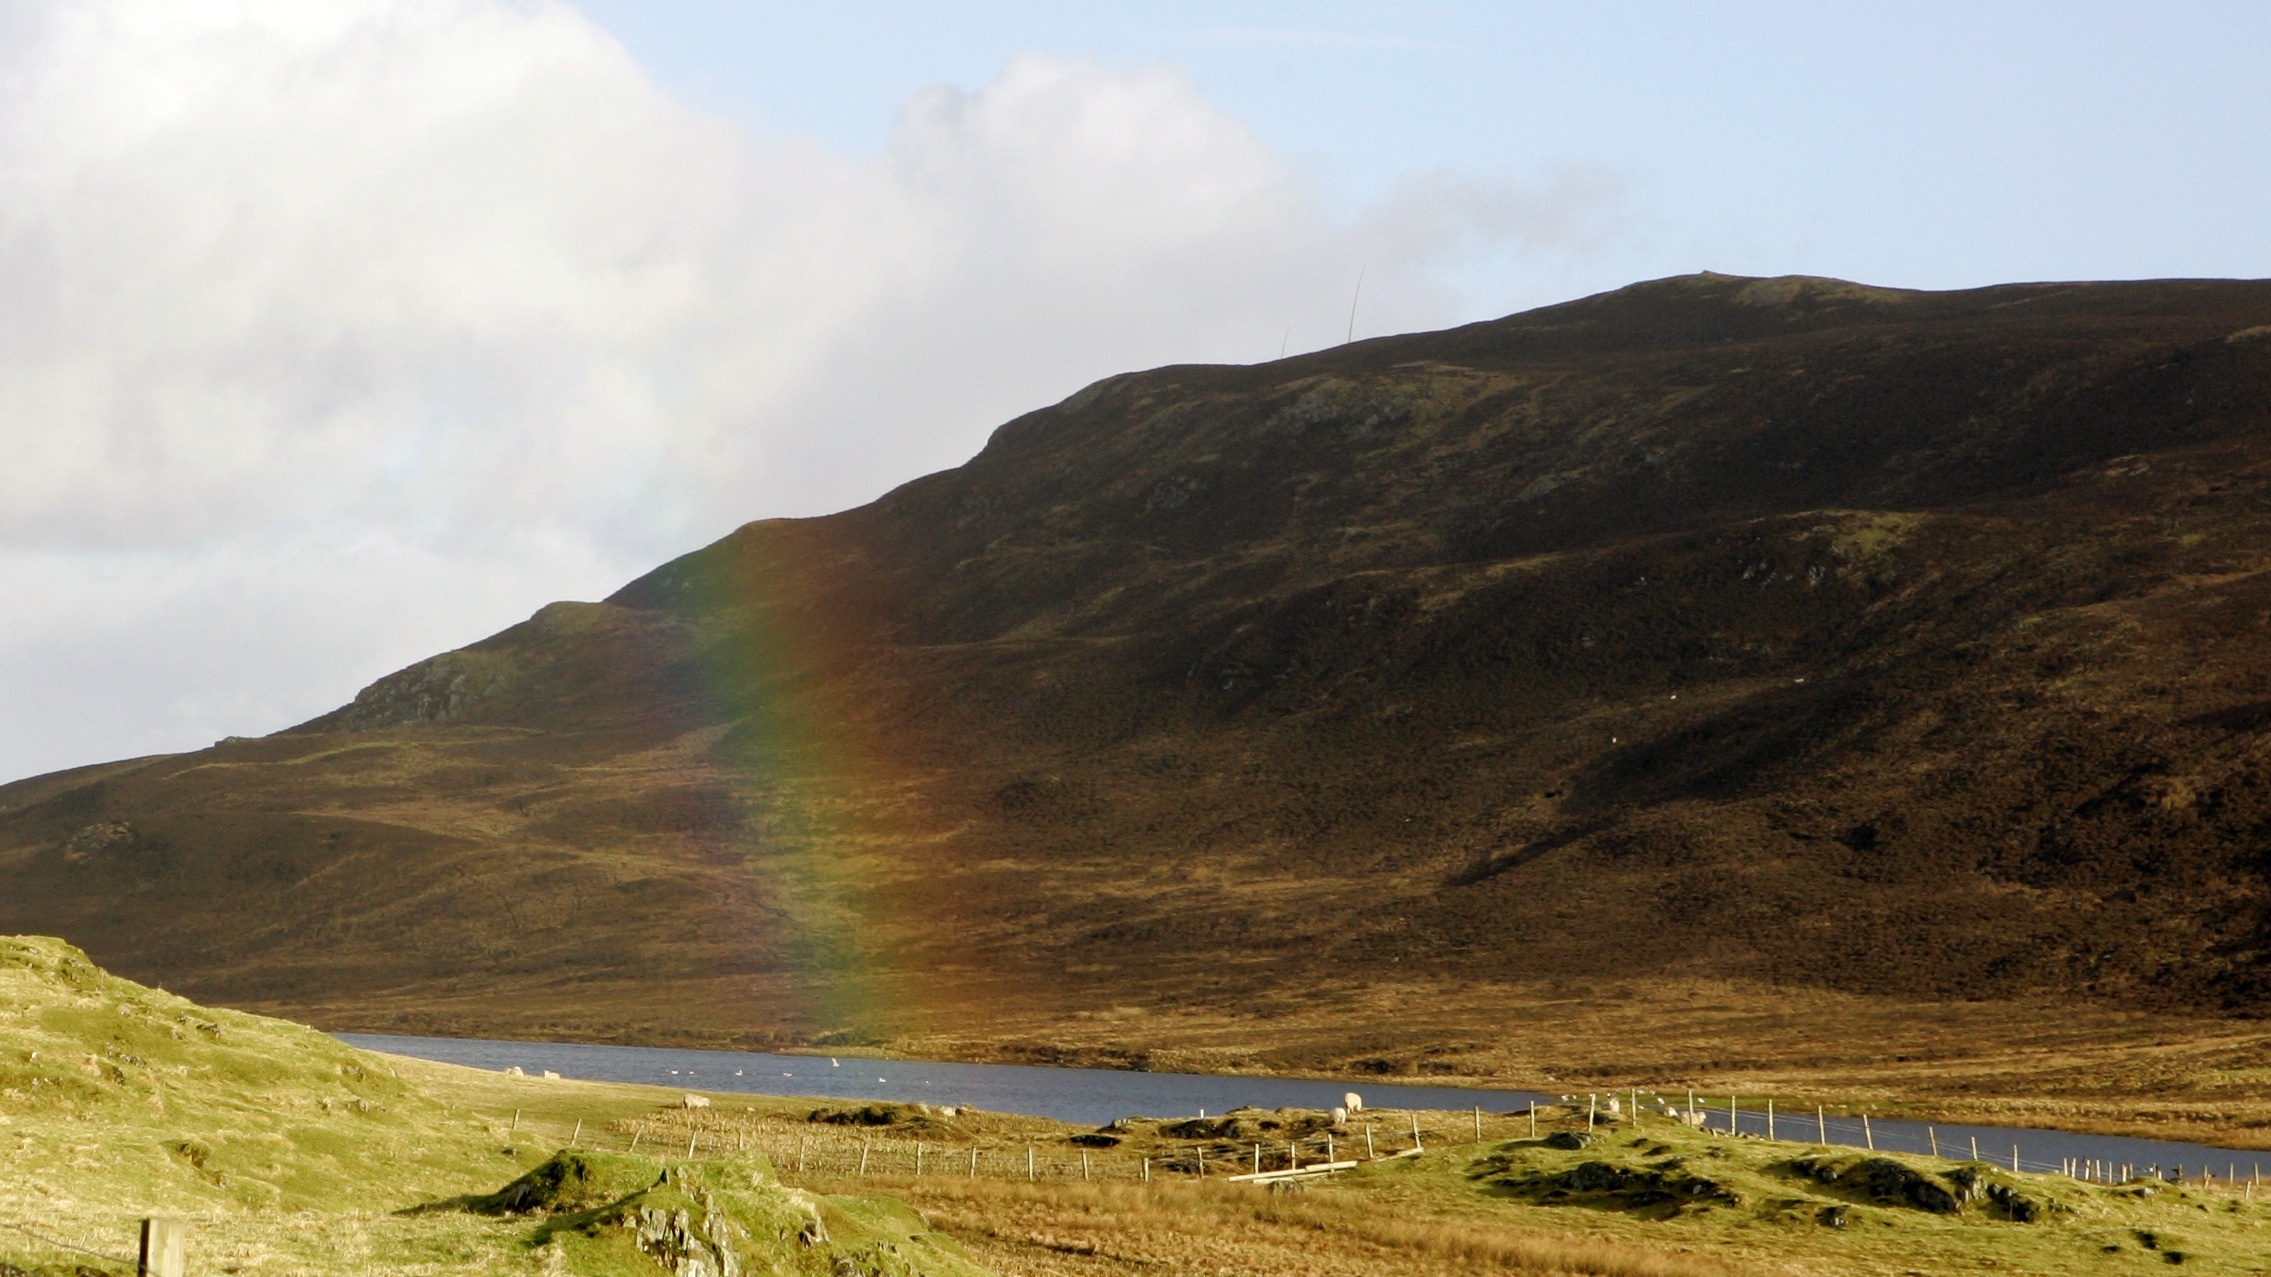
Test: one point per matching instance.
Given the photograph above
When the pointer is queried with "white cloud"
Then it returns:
(333, 334)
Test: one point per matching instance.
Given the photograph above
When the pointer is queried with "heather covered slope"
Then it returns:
(1775, 634)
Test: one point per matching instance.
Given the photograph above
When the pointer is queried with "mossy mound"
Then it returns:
(1655, 1184)
(572, 1181)
(1882, 1181)
(619, 1214)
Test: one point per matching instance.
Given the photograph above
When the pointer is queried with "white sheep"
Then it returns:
(696, 1101)
(1353, 1102)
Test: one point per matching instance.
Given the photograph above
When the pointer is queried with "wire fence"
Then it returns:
(1228, 1147)
(1818, 1127)
(69, 1240)
(821, 1149)
(1377, 1135)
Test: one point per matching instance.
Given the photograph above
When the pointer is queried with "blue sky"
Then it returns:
(1924, 145)
(345, 332)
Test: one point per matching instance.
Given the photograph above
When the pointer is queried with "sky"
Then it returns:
(337, 333)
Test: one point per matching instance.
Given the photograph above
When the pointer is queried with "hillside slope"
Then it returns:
(1773, 634)
(287, 1152)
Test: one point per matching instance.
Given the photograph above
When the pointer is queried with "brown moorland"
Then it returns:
(1781, 684)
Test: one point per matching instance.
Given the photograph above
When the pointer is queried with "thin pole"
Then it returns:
(1533, 1119)
(1933, 1136)
(1368, 1153)
(1591, 1102)
(1732, 1108)
(1257, 1157)
(1415, 1133)
(800, 1155)
(919, 1158)
(1478, 1123)
(638, 1131)
(1770, 1119)
(1352, 302)
(690, 1143)
(578, 1135)
(1821, 1123)
(1975, 1148)
(516, 1123)
(2014, 1159)
(1029, 1163)
(1084, 1163)
(863, 1159)
(973, 1161)
(1868, 1136)
(1147, 1170)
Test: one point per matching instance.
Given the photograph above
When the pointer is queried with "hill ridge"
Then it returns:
(1877, 642)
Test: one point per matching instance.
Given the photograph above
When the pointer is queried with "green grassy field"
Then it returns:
(291, 1153)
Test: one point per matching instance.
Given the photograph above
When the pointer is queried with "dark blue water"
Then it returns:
(1089, 1096)
(1096, 1096)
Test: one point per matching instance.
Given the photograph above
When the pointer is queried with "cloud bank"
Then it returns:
(335, 334)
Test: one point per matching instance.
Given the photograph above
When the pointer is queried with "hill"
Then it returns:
(288, 1152)
(1814, 674)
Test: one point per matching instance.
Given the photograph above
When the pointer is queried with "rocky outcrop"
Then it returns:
(438, 690)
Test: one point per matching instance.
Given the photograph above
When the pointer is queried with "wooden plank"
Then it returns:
(1314, 1168)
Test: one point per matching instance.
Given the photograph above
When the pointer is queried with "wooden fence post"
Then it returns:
(165, 1248)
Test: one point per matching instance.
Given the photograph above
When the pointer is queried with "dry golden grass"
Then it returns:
(1071, 1229)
